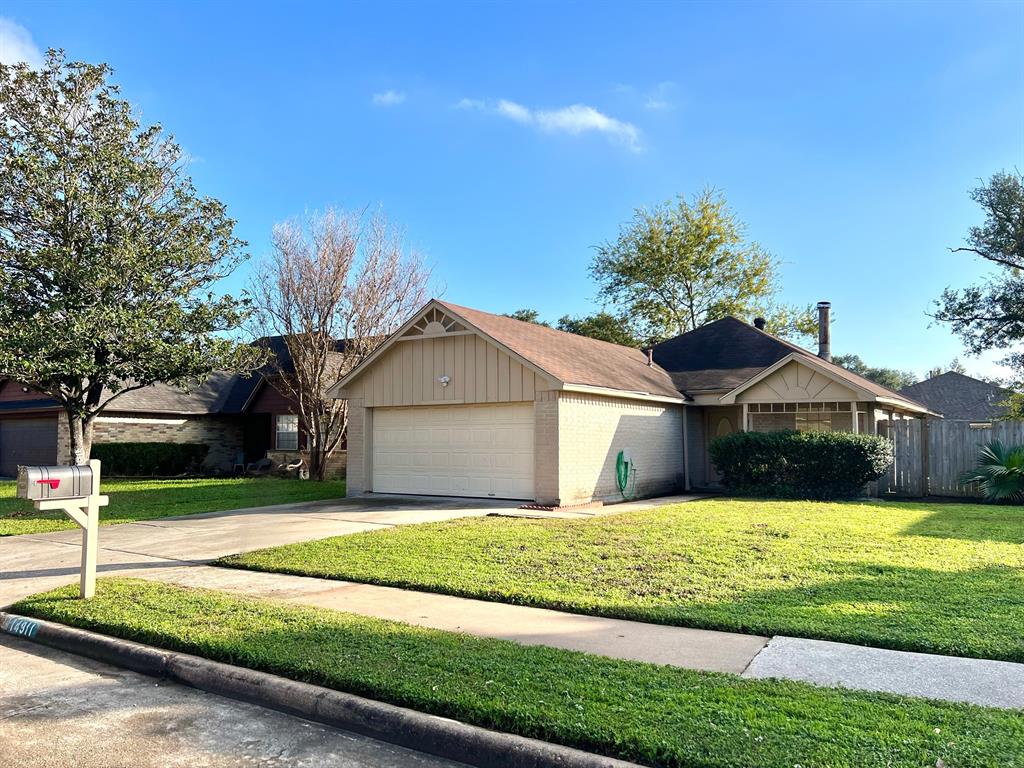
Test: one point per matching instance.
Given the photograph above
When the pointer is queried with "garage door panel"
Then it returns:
(27, 441)
(484, 451)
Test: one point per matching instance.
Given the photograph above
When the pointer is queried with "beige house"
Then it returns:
(466, 403)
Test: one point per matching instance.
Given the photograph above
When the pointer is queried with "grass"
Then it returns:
(938, 578)
(654, 714)
(132, 500)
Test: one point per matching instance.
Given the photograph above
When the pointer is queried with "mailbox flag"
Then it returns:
(54, 483)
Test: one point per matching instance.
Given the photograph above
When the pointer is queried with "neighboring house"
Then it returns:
(961, 398)
(466, 403)
(242, 419)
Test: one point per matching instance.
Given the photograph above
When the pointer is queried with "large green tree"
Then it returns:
(682, 264)
(108, 256)
(893, 378)
(601, 325)
(990, 314)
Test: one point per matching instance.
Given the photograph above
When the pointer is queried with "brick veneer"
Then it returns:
(593, 429)
(223, 435)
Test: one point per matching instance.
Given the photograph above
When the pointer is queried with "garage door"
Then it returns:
(457, 450)
(27, 441)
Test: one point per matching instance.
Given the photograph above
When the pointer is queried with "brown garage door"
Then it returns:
(27, 441)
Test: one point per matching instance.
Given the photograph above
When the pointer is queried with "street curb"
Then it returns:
(434, 735)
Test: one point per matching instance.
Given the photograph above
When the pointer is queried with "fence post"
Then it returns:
(925, 456)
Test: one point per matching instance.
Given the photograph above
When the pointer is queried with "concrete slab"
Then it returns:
(977, 681)
(64, 711)
(637, 641)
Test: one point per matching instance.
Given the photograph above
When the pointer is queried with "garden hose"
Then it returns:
(625, 476)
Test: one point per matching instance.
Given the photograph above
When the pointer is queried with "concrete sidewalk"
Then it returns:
(176, 550)
(950, 678)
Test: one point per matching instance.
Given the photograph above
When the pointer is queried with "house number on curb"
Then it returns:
(17, 625)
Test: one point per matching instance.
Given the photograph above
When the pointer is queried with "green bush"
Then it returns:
(999, 473)
(800, 465)
(150, 459)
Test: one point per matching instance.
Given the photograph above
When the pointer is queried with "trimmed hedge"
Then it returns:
(150, 459)
(800, 465)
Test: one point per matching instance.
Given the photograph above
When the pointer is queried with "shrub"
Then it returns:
(999, 473)
(152, 459)
(800, 465)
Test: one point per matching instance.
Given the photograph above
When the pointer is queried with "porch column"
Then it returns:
(746, 418)
(853, 413)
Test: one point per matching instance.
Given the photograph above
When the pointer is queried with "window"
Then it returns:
(287, 433)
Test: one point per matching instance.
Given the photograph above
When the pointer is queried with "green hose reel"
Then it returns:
(625, 475)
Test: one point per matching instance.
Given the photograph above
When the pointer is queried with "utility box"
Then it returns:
(44, 483)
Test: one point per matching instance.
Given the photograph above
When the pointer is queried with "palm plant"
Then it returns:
(999, 473)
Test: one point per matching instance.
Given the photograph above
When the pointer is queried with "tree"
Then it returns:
(893, 378)
(528, 316)
(601, 325)
(678, 266)
(335, 287)
(107, 253)
(990, 315)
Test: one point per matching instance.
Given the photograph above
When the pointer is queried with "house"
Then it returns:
(239, 417)
(467, 403)
(961, 398)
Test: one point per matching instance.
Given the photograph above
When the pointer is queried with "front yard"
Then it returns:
(938, 578)
(132, 500)
(657, 715)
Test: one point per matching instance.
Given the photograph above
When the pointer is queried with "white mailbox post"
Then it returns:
(75, 491)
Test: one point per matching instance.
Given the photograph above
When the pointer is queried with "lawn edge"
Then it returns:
(439, 736)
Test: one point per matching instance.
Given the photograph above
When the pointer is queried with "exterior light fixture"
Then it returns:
(444, 381)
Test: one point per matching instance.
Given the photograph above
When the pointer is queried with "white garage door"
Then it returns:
(454, 450)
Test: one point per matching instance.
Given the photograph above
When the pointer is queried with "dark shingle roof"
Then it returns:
(571, 358)
(724, 354)
(960, 397)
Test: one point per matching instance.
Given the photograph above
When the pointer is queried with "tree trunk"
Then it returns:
(317, 463)
(80, 431)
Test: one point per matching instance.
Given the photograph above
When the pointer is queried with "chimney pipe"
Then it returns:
(825, 331)
(759, 323)
(650, 356)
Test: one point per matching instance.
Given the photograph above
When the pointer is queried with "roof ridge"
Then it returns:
(456, 307)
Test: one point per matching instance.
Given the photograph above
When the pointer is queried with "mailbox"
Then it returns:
(42, 483)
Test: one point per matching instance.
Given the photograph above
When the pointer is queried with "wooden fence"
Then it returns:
(931, 455)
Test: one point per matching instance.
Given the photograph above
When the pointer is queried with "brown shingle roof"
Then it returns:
(570, 358)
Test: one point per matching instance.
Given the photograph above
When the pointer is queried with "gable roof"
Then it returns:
(570, 358)
(565, 359)
(728, 353)
(960, 397)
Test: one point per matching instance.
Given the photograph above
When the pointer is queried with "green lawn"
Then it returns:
(657, 715)
(132, 500)
(940, 578)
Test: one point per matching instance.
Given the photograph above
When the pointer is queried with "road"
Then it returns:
(58, 710)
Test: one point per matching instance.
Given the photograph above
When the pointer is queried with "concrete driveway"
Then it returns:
(38, 562)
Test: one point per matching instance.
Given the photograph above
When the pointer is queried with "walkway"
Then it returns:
(177, 550)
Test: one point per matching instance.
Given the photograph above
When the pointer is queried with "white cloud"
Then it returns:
(514, 111)
(477, 104)
(573, 120)
(658, 99)
(16, 45)
(388, 98)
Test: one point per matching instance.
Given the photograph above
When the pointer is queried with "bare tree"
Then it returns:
(335, 286)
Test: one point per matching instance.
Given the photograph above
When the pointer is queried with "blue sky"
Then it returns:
(509, 139)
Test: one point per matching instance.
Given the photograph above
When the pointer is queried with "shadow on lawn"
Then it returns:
(971, 522)
(977, 612)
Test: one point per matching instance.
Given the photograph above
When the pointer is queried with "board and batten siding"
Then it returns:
(478, 372)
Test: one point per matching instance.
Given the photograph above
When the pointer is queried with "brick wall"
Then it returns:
(593, 429)
(223, 435)
(357, 469)
(696, 445)
(545, 447)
